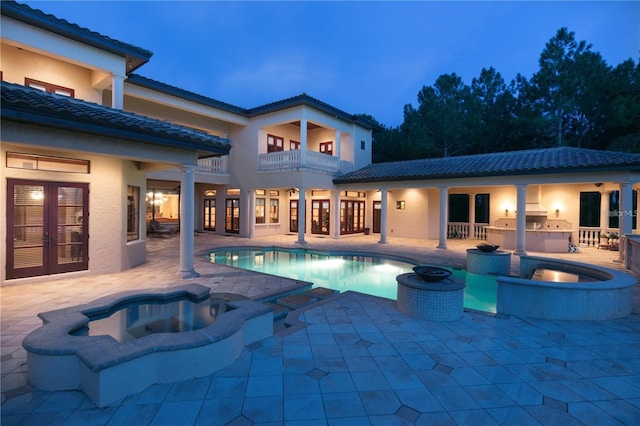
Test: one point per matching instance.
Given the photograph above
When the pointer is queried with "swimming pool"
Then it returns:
(348, 271)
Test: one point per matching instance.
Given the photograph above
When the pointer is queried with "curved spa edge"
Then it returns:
(107, 370)
(609, 296)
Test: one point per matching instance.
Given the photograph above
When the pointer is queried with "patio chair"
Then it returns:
(156, 230)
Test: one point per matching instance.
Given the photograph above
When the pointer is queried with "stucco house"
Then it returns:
(94, 156)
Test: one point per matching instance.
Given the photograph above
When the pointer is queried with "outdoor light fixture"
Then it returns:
(557, 212)
(506, 212)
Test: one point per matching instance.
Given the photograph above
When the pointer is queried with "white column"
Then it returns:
(472, 216)
(303, 142)
(383, 216)
(251, 195)
(302, 215)
(187, 200)
(626, 208)
(338, 145)
(117, 91)
(335, 206)
(442, 237)
(605, 197)
(521, 219)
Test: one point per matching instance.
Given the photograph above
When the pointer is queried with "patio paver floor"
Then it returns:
(359, 360)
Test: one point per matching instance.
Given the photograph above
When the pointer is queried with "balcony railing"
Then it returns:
(465, 230)
(214, 165)
(286, 160)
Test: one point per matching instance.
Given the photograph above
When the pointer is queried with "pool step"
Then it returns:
(296, 301)
(299, 300)
(321, 292)
(279, 311)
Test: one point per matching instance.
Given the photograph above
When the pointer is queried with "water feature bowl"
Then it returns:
(487, 248)
(431, 273)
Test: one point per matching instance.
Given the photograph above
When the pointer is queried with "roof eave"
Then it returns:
(549, 171)
(135, 56)
(53, 121)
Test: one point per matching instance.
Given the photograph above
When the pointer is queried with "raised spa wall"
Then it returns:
(107, 370)
(609, 296)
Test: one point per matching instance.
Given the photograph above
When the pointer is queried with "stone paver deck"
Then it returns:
(357, 361)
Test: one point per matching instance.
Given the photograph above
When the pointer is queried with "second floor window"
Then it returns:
(293, 145)
(275, 143)
(49, 88)
(326, 148)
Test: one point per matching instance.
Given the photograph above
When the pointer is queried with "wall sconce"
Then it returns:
(506, 212)
(557, 212)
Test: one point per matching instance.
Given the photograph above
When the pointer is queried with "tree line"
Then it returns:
(574, 99)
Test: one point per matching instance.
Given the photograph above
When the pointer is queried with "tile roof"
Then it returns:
(149, 83)
(302, 99)
(32, 106)
(136, 56)
(536, 161)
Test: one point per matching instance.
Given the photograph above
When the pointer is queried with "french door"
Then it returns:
(232, 216)
(47, 227)
(293, 216)
(320, 214)
(377, 216)
(209, 214)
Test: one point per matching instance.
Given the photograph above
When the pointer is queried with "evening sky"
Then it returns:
(361, 56)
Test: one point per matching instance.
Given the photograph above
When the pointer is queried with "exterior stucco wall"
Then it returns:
(361, 157)
(19, 64)
(415, 220)
(31, 39)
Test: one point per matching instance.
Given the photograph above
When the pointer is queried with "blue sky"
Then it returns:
(361, 56)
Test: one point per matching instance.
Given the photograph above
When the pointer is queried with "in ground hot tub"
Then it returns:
(161, 336)
(558, 289)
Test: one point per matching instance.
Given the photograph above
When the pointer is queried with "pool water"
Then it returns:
(137, 319)
(365, 274)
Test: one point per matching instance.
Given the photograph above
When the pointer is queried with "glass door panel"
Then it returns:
(70, 229)
(27, 236)
(232, 216)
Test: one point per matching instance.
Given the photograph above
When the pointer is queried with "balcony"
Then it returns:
(213, 165)
(287, 160)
